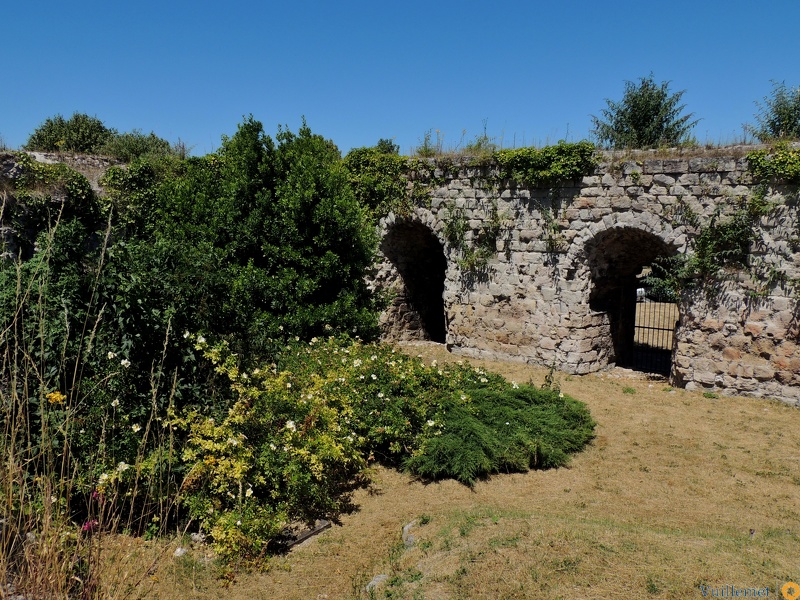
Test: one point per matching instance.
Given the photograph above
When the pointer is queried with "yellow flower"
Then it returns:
(56, 397)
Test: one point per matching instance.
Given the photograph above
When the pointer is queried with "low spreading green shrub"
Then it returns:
(302, 430)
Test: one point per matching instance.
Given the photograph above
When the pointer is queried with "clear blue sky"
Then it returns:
(363, 70)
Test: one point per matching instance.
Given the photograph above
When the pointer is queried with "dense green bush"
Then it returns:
(377, 179)
(79, 133)
(254, 243)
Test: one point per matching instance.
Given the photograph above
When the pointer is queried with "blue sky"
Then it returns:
(533, 71)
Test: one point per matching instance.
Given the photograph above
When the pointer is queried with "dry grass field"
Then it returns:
(678, 490)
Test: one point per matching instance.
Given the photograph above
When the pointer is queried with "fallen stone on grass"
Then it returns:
(408, 537)
(376, 581)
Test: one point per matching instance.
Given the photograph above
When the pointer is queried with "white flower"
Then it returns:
(561, 394)
(233, 442)
(249, 492)
(273, 447)
(374, 376)
(291, 426)
(201, 339)
(186, 335)
(125, 363)
(431, 423)
(103, 478)
(122, 467)
(373, 357)
(111, 355)
(136, 427)
(115, 402)
(514, 385)
(238, 523)
(288, 385)
(380, 394)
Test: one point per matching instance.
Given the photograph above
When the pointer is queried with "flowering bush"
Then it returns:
(298, 438)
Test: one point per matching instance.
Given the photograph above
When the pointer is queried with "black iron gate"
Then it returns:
(654, 332)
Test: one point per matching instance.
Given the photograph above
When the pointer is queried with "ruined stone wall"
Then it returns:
(566, 261)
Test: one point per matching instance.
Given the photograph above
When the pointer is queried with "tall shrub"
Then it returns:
(779, 116)
(648, 116)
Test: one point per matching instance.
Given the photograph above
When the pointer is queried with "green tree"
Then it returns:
(266, 238)
(779, 116)
(648, 116)
(387, 146)
(79, 133)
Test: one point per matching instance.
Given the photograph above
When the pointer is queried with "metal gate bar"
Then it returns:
(653, 335)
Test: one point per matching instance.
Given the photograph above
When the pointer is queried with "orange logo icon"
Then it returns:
(791, 591)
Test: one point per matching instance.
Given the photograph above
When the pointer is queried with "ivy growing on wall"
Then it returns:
(475, 255)
(778, 164)
(724, 244)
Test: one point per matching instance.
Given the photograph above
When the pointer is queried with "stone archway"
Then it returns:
(418, 261)
(616, 258)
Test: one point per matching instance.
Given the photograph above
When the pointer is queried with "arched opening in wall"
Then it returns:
(417, 310)
(641, 322)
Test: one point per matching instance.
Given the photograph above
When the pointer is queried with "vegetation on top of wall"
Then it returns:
(79, 133)
(648, 116)
(377, 179)
(778, 117)
(547, 166)
(780, 163)
(82, 133)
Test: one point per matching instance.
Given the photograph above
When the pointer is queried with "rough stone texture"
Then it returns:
(562, 298)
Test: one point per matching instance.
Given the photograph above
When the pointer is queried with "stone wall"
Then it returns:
(561, 284)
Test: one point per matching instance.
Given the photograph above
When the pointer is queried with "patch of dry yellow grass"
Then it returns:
(677, 490)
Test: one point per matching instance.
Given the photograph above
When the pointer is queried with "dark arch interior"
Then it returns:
(616, 259)
(419, 259)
